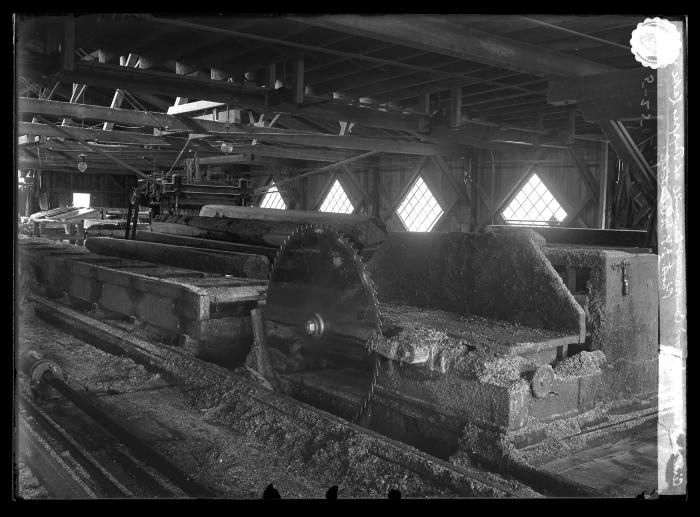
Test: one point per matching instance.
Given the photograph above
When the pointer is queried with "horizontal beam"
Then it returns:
(277, 101)
(628, 94)
(472, 134)
(443, 36)
(80, 134)
(208, 127)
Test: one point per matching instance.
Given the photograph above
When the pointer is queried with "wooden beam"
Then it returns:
(225, 160)
(191, 107)
(299, 80)
(612, 96)
(524, 176)
(627, 150)
(455, 114)
(132, 117)
(456, 186)
(443, 36)
(279, 101)
(68, 47)
(584, 172)
(347, 173)
(131, 60)
(325, 168)
(80, 134)
(576, 212)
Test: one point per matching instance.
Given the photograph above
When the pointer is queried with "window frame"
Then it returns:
(564, 206)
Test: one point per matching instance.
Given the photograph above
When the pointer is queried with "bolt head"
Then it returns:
(310, 327)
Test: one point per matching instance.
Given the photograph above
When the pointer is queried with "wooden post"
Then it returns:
(456, 106)
(424, 102)
(299, 80)
(603, 187)
(218, 75)
(68, 48)
(271, 75)
(571, 128)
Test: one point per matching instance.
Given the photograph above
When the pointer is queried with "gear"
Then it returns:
(320, 289)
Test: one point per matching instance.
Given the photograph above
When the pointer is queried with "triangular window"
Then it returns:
(337, 200)
(273, 198)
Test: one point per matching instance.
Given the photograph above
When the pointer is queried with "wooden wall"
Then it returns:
(106, 190)
(497, 173)
(378, 184)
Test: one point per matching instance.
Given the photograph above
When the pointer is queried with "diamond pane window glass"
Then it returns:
(534, 205)
(419, 210)
(337, 200)
(273, 199)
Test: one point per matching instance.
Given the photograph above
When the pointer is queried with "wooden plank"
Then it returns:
(443, 36)
(585, 172)
(191, 107)
(455, 106)
(299, 80)
(68, 49)
(76, 133)
(110, 76)
(132, 117)
(613, 96)
(456, 186)
(278, 101)
(627, 150)
(131, 60)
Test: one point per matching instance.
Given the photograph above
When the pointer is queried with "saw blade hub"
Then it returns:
(315, 326)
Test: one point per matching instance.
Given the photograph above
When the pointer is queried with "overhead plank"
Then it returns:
(473, 134)
(80, 134)
(276, 101)
(209, 127)
(442, 36)
(621, 95)
(279, 101)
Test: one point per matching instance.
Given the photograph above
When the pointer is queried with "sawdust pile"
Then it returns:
(584, 363)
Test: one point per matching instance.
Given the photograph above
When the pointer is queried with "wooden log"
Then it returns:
(269, 227)
(222, 262)
(208, 244)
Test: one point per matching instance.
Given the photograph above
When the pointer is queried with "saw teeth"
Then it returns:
(369, 317)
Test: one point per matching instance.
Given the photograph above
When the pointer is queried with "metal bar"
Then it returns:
(56, 475)
(163, 464)
(112, 487)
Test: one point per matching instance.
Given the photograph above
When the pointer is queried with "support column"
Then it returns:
(603, 187)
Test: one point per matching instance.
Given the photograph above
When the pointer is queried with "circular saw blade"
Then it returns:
(320, 288)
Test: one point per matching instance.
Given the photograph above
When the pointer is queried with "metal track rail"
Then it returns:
(105, 483)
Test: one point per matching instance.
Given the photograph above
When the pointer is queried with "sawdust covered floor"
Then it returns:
(159, 411)
(28, 486)
(622, 467)
(228, 446)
